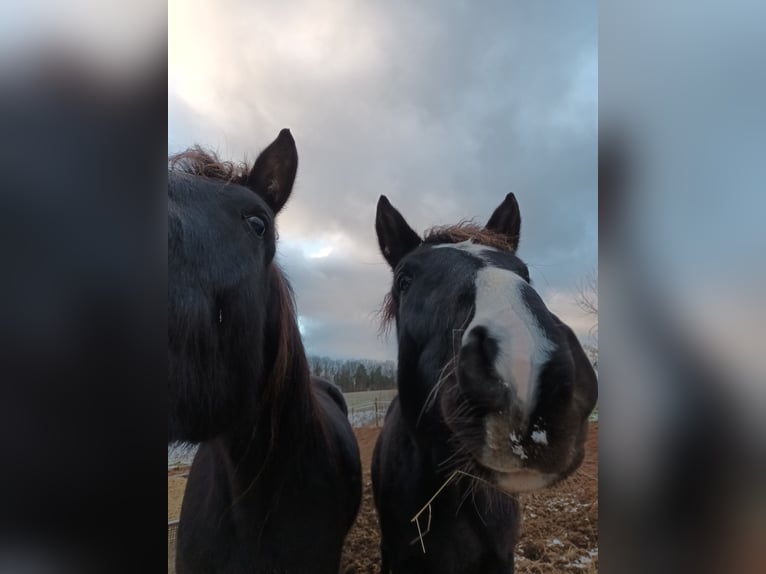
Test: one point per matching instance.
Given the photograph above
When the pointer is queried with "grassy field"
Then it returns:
(354, 400)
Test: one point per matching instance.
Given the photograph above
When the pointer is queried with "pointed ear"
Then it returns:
(395, 237)
(506, 220)
(273, 173)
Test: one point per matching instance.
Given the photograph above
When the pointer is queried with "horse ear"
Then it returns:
(395, 237)
(506, 220)
(273, 173)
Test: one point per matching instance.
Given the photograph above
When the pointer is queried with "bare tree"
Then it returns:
(587, 297)
(587, 300)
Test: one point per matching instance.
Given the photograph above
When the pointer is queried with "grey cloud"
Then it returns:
(443, 106)
(338, 302)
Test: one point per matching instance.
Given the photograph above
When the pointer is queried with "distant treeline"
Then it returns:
(368, 375)
(355, 375)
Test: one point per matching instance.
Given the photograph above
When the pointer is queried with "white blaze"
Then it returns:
(522, 345)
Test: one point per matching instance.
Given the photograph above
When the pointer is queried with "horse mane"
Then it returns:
(206, 163)
(445, 234)
(289, 370)
(291, 356)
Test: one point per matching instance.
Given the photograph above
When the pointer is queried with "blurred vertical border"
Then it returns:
(682, 272)
(83, 126)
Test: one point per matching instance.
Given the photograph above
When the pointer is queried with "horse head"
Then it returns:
(487, 374)
(222, 283)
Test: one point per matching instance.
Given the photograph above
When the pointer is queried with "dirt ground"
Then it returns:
(559, 531)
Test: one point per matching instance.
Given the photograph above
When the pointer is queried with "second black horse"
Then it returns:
(491, 384)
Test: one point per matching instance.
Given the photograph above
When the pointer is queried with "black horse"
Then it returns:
(276, 483)
(491, 384)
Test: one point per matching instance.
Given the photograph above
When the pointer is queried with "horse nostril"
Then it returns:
(477, 376)
(480, 342)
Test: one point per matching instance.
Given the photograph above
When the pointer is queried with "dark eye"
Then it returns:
(403, 281)
(257, 224)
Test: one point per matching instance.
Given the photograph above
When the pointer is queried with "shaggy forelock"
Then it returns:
(205, 163)
(468, 231)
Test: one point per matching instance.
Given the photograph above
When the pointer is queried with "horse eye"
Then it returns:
(403, 281)
(257, 224)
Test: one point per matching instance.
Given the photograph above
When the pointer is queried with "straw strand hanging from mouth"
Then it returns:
(427, 505)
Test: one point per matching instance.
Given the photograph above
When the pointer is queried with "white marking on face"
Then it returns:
(523, 347)
(468, 246)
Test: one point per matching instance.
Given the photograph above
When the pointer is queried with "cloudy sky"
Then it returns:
(440, 105)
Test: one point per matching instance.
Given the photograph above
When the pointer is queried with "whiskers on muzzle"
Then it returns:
(448, 372)
(461, 414)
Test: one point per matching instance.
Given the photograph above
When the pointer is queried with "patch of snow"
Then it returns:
(181, 454)
(540, 437)
(516, 447)
(364, 418)
(584, 561)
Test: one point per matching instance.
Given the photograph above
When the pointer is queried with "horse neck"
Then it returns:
(285, 408)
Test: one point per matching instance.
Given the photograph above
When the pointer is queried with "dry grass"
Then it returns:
(559, 532)
(176, 487)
